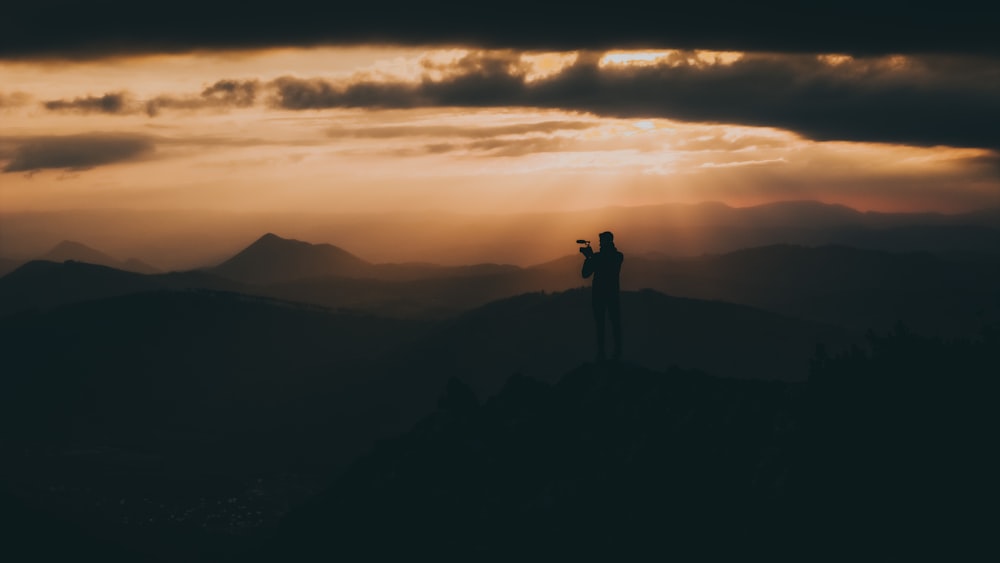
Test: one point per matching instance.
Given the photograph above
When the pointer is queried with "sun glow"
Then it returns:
(638, 58)
(670, 57)
(514, 158)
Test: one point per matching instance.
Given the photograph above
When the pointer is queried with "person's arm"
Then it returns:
(589, 264)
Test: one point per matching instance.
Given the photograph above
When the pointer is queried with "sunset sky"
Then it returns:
(398, 110)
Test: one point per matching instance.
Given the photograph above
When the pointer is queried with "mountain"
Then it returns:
(78, 252)
(540, 334)
(8, 265)
(144, 417)
(852, 287)
(856, 288)
(197, 367)
(273, 259)
(188, 422)
(40, 284)
(965, 241)
(162, 365)
(184, 239)
(608, 462)
(613, 461)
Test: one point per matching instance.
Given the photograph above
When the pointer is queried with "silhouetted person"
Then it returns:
(605, 265)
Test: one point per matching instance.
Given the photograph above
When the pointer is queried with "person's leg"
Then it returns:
(599, 312)
(615, 311)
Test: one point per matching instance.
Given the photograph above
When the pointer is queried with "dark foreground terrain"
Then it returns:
(349, 410)
(883, 453)
(879, 456)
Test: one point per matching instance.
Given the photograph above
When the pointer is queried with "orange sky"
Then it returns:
(196, 152)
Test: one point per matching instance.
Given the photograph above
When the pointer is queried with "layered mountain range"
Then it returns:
(174, 240)
(181, 415)
(836, 284)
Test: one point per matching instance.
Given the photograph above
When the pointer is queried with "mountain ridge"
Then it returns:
(616, 461)
(79, 252)
(271, 258)
(185, 239)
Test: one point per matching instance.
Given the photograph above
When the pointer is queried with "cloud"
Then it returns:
(73, 152)
(115, 102)
(14, 100)
(917, 100)
(70, 29)
(396, 131)
(521, 147)
(930, 100)
(494, 147)
(223, 94)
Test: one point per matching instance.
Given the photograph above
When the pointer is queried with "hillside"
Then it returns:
(8, 265)
(542, 334)
(189, 367)
(614, 461)
(43, 285)
(608, 462)
(187, 423)
(850, 287)
(175, 361)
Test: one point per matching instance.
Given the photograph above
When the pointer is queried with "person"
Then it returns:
(606, 266)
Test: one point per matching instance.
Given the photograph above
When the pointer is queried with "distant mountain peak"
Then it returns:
(272, 258)
(73, 250)
(271, 240)
(70, 245)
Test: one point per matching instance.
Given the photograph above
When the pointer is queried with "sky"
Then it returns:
(254, 107)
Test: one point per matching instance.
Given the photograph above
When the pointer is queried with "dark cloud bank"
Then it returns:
(72, 29)
(925, 100)
(917, 100)
(73, 152)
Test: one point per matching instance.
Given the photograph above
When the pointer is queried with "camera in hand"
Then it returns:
(585, 250)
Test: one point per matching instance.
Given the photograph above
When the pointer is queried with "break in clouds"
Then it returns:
(917, 100)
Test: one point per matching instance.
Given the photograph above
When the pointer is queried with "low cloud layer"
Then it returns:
(114, 102)
(73, 152)
(396, 131)
(914, 100)
(13, 100)
(223, 94)
(70, 29)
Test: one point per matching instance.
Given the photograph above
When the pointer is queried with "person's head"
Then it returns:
(607, 239)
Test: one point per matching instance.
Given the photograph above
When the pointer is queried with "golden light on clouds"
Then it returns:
(835, 59)
(213, 149)
(669, 57)
(544, 65)
(634, 57)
